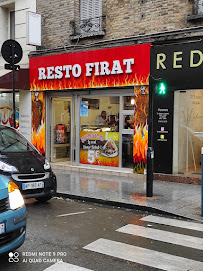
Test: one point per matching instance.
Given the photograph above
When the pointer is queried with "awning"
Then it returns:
(22, 79)
(3, 72)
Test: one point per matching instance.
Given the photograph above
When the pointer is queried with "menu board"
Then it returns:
(99, 148)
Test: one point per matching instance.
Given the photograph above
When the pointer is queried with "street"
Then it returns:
(71, 235)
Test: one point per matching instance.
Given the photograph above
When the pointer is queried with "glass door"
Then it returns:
(127, 131)
(61, 129)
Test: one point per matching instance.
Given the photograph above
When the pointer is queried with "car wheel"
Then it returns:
(44, 199)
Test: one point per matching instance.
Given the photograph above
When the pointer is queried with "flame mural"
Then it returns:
(140, 139)
(95, 82)
(38, 121)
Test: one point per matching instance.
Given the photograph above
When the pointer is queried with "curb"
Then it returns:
(120, 204)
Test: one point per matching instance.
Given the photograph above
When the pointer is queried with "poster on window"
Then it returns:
(60, 134)
(6, 116)
(140, 139)
(99, 148)
(84, 108)
(38, 121)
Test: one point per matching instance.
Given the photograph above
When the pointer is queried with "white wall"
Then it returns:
(21, 8)
(25, 113)
(3, 25)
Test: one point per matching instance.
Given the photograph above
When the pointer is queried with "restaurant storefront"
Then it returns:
(90, 108)
(178, 114)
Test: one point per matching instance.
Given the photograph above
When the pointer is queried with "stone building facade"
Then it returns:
(122, 19)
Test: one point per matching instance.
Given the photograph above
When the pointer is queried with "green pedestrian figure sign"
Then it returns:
(162, 88)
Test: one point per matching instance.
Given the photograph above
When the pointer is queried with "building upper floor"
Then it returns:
(13, 25)
(68, 24)
(79, 22)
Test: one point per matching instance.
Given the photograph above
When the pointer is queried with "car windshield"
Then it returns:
(12, 141)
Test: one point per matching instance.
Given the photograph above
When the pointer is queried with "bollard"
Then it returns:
(202, 181)
(150, 169)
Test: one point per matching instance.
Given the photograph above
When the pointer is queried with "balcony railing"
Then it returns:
(197, 11)
(88, 27)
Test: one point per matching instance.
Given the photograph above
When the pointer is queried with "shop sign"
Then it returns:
(120, 66)
(180, 64)
(99, 148)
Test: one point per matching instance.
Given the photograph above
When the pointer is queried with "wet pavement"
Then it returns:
(130, 191)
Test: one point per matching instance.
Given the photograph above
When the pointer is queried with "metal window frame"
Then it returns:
(122, 113)
(75, 120)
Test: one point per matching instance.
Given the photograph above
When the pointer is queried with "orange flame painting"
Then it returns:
(140, 139)
(38, 121)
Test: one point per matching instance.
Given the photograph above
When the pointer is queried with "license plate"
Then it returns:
(2, 228)
(34, 185)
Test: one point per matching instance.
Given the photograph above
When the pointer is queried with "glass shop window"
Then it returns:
(6, 109)
(99, 137)
(99, 114)
(128, 103)
(128, 121)
(127, 151)
(188, 135)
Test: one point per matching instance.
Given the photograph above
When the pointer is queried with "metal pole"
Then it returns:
(150, 165)
(14, 106)
(150, 152)
(202, 182)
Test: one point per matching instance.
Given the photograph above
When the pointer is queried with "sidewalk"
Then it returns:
(130, 191)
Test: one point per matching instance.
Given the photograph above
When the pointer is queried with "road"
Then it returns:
(88, 236)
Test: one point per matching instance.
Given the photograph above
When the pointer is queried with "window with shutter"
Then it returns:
(197, 12)
(90, 15)
(200, 7)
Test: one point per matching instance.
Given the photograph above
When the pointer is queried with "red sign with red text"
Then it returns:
(113, 67)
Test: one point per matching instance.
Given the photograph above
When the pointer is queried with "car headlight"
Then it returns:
(7, 168)
(46, 164)
(15, 198)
